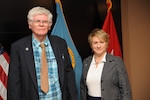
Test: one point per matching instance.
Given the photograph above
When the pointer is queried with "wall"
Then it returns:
(136, 38)
(81, 16)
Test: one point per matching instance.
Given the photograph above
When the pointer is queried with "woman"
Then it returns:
(104, 76)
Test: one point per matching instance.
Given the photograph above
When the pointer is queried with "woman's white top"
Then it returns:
(93, 80)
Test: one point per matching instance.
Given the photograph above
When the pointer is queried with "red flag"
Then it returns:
(4, 65)
(109, 27)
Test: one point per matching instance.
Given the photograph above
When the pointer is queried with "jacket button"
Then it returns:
(102, 89)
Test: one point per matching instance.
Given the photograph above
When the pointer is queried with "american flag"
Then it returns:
(4, 65)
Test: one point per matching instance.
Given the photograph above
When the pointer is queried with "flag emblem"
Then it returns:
(72, 57)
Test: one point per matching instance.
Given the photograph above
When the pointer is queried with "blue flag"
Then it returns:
(61, 29)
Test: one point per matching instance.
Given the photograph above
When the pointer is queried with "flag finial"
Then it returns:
(109, 5)
(58, 1)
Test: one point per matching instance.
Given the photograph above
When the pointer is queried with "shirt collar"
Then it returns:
(102, 61)
(37, 43)
(104, 58)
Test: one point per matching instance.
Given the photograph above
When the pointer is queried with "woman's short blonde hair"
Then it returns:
(98, 33)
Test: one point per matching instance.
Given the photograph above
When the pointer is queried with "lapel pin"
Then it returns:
(27, 49)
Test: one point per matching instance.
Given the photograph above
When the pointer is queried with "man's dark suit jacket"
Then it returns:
(22, 80)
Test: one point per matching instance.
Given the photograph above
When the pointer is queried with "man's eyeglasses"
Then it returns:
(39, 22)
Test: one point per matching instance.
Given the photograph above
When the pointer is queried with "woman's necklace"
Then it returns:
(97, 60)
(96, 63)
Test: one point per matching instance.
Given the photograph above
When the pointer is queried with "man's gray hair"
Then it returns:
(39, 10)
